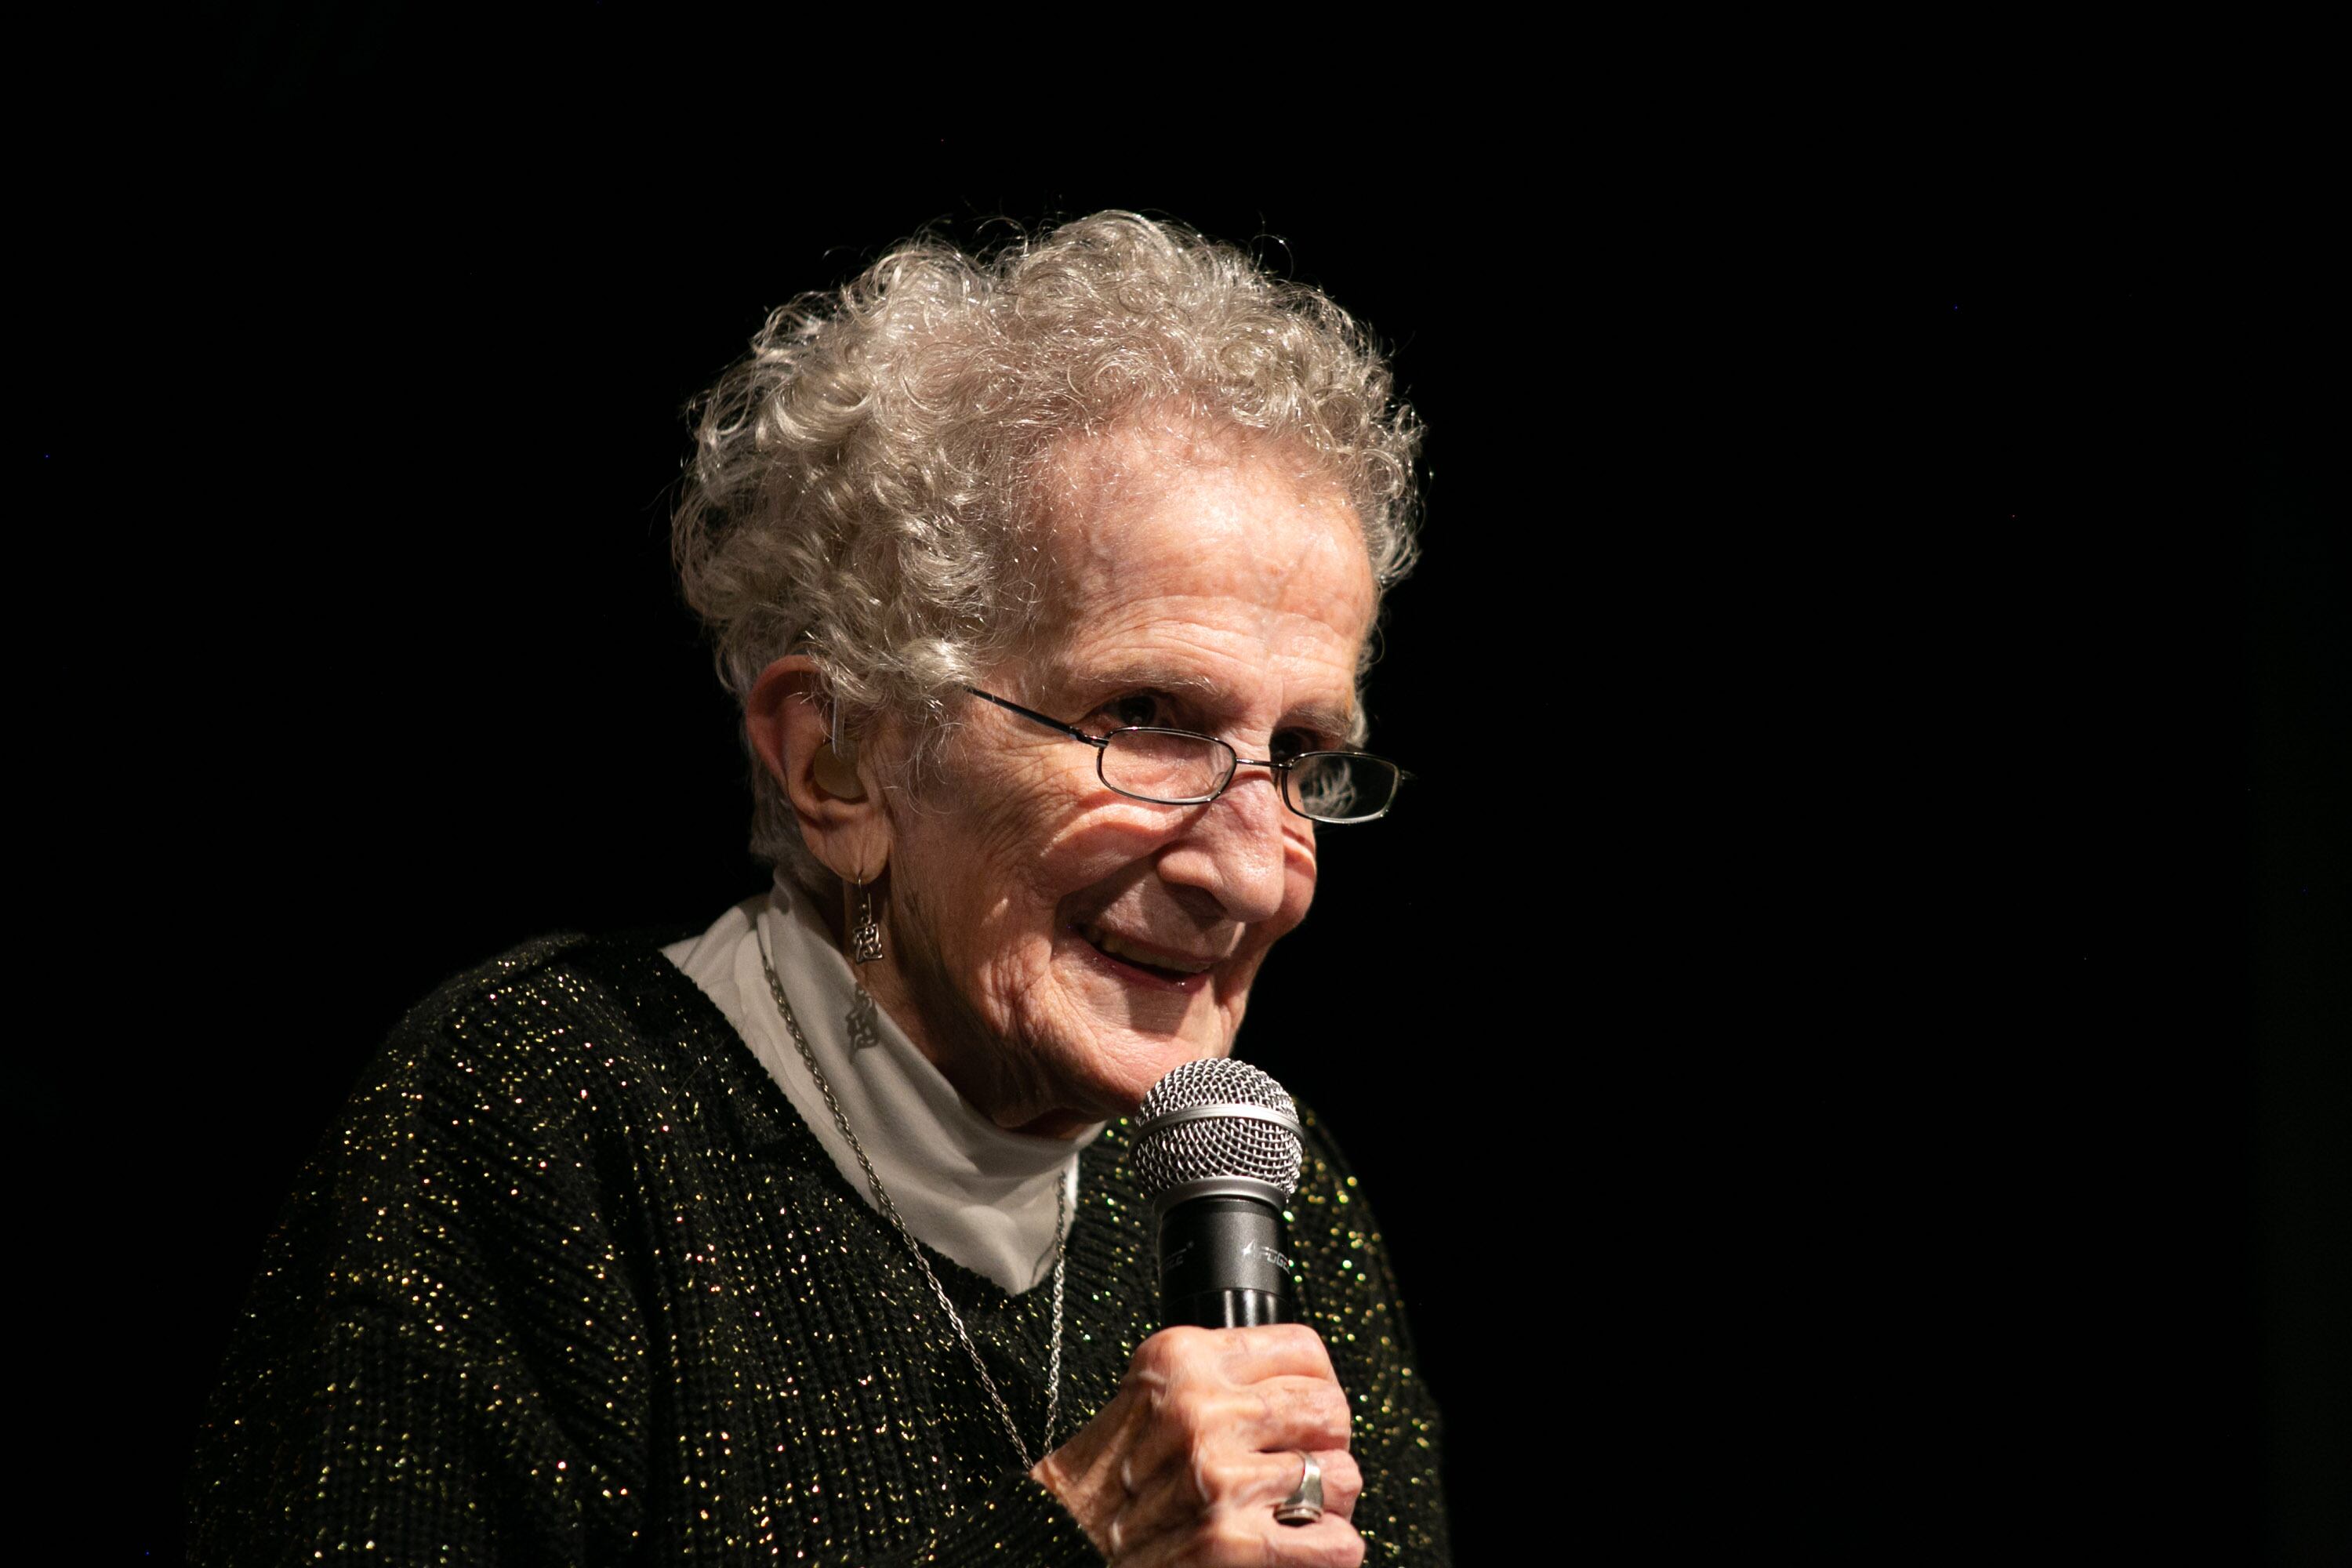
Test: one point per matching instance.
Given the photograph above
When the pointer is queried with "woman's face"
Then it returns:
(1055, 947)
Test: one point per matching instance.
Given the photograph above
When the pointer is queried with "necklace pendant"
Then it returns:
(864, 1022)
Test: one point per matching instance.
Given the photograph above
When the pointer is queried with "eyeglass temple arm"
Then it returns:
(1036, 718)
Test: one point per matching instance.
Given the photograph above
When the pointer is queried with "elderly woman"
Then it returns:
(1044, 583)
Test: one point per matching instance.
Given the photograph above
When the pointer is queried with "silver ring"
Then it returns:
(1305, 1503)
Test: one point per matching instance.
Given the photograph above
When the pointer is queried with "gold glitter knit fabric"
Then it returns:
(571, 1282)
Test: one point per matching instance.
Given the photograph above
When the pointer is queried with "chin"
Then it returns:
(1107, 1077)
(1126, 1028)
(1138, 1065)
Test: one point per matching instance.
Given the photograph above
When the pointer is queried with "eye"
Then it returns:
(1136, 710)
(1289, 744)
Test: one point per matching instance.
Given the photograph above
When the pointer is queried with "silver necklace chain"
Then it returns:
(890, 1212)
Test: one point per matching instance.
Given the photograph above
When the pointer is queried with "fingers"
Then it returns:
(1288, 1413)
(1343, 1482)
(1248, 1538)
(1245, 1356)
(1270, 1349)
(1241, 1482)
(1187, 1462)
(1263, 1389)
(1188, 1421)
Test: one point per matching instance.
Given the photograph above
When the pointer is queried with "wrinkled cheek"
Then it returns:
(1018, 982)
(1092, 846)
(973, 811)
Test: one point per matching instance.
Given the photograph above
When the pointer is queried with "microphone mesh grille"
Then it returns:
(1214, 1146)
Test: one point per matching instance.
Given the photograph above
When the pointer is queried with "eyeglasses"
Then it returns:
(1177, 767)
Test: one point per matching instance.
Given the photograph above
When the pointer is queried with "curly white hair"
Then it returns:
(864, 482)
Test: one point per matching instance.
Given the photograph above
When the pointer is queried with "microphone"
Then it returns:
(1216, 1145)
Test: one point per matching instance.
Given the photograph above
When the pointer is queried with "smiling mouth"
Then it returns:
(1169, 969)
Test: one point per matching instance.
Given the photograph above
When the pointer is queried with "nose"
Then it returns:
(1232, 858)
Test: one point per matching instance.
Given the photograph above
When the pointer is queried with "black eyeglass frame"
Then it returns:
(1236, 762)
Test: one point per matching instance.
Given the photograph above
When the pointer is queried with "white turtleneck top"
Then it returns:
(966, 1187)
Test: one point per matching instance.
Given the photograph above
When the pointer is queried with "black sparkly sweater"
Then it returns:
(571, 1282)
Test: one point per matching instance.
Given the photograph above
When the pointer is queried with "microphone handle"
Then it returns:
(1222, 1264)
(1227, 1309)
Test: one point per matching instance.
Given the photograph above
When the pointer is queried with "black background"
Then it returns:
(1846, 1036)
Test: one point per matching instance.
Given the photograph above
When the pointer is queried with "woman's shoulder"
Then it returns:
(585, 1015)
(565, 970)
(564, 979)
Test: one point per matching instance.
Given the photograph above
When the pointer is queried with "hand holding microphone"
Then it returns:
(1224, 1415)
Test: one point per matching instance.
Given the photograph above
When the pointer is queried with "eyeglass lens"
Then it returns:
(1339, 786)
(1329, 786)
(1163, 766)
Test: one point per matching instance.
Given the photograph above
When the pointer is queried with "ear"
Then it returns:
(834, 795)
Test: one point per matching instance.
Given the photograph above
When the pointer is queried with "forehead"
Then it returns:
(1214, 552)
(1139, 516)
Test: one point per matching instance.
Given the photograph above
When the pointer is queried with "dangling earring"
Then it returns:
(863, 1021)
(865, 935)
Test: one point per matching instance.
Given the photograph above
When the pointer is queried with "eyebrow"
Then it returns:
(1341, 723)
